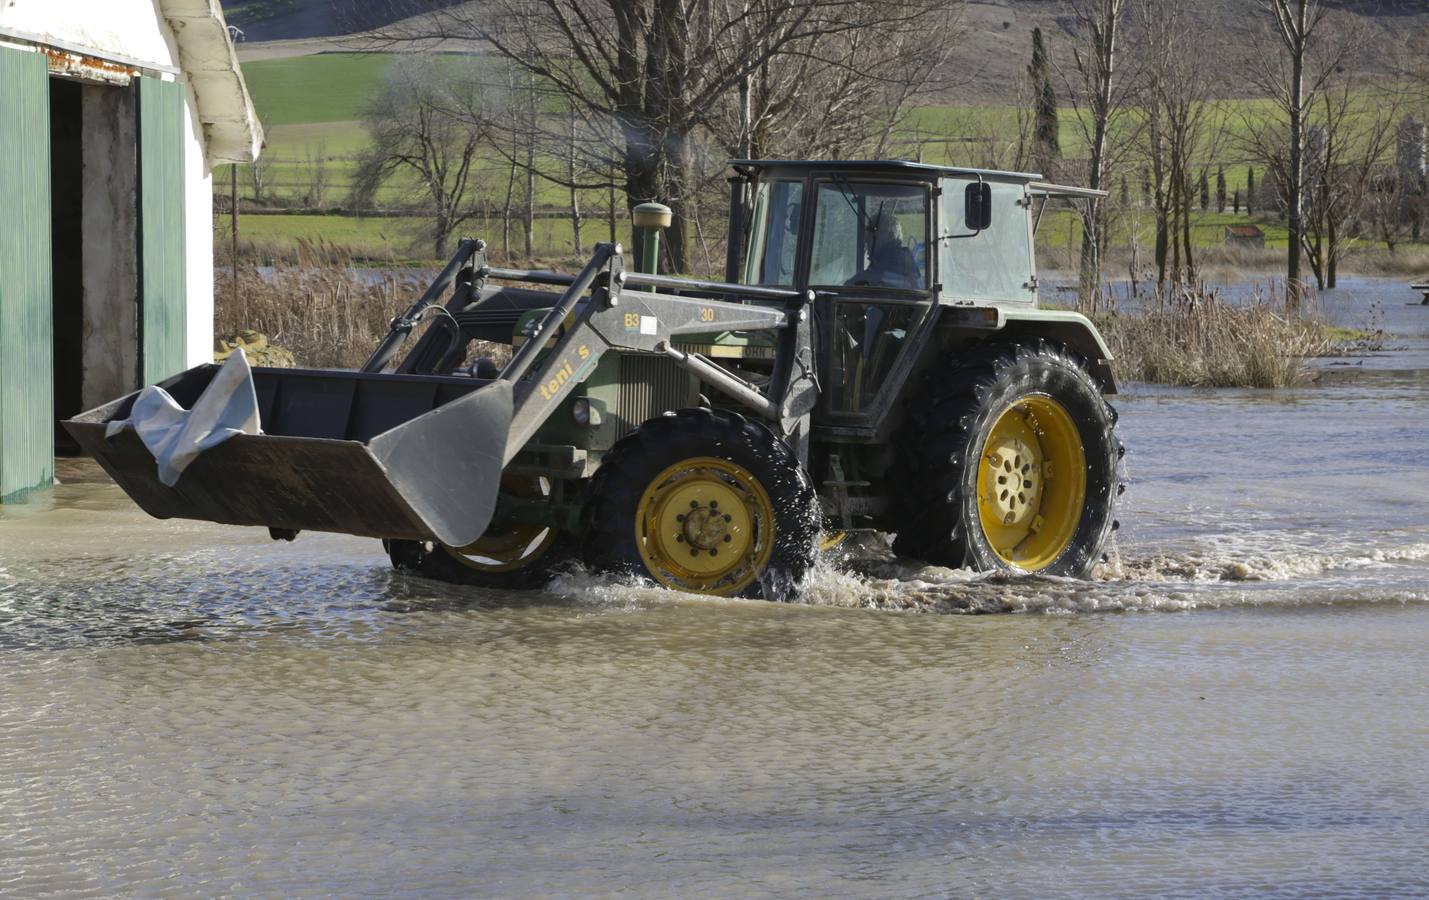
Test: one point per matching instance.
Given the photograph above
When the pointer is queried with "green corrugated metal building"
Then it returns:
(112, 115)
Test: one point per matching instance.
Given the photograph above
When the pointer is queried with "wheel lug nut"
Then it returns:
(728, 538)
(694, 552)
(714, 552)
(694, 504)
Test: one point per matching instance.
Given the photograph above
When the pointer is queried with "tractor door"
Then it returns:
(869, 258)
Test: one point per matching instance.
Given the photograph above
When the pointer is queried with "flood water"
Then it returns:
(1237, 705)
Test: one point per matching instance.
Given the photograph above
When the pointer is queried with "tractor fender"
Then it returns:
(1069, 329)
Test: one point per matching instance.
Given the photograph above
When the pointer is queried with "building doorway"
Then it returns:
(94, 246)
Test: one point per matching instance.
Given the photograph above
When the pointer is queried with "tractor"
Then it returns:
(875, 359)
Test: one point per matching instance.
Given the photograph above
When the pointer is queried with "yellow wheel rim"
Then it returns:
(705, 525)
(1032, 483)
(514, 547)
(832, 540)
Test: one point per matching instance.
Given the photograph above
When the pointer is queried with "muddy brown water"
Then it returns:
(1237, 705)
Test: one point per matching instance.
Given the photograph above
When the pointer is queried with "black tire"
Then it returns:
(939, 517)
(635, 484)
(508, 556)
(444, 564)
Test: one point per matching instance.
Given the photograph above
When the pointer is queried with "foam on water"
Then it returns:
(1229, 571)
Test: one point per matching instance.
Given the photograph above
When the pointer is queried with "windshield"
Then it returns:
(774, 235)
(871, 235)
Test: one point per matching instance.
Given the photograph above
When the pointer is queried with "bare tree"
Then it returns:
(1291, 65)
(424, 142)
(644, 74)
(1181, 127)
(316, 165)
(1098, 85)
(260, 177)
(1350, 144)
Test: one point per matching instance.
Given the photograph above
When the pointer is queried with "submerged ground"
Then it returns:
(1237, 706)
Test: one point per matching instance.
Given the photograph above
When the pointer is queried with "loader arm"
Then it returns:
(618, 317)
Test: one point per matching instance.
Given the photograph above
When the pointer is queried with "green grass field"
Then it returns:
(325, 87)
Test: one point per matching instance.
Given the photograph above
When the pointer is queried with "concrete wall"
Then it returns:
(111, 273)
(198, 240)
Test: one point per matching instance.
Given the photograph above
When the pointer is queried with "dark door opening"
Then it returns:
(67, 236)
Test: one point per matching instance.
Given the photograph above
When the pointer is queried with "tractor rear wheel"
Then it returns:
(516, 555)
(703, 501)
(1019, 453)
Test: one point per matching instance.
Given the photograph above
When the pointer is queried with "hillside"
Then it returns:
(291, 20)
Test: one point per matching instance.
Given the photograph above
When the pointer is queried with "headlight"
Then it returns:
(580, 411)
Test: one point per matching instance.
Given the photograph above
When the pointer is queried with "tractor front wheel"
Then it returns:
(514, 555)
(1018, 451)
(706, 502)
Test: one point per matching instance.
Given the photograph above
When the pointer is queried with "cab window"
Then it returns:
(868, 339)
(774, 233)
(870, 235)
(993, 264)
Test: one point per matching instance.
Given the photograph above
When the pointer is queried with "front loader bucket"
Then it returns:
(380, 455)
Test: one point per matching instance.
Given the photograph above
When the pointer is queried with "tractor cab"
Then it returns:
(891, 229)
(886, 246)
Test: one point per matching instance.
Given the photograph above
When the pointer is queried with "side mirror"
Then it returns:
(978, 206)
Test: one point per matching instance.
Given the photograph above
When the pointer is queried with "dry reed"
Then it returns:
(1197, 338)
(326, 314)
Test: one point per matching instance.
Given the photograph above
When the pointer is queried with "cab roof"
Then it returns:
(886, 166)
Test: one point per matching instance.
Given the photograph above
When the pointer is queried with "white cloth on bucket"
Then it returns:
(176, 436)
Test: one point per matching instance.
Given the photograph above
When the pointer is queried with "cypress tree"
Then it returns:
(1046, 120)
(1250, 192)
(1038, 69)
(1205, 187)
(1237, 201)
(1220, 189)
(1125, 191)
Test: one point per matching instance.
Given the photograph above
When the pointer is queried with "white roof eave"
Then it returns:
(231, 131)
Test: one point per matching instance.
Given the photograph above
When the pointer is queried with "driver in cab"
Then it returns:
(890, 263)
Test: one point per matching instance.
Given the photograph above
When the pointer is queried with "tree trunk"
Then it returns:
(506, 210)
(1332, 264)
(610, 212)
(1089, 280)
(1105, 50)
(1293, 286)
(680, 199)
(575, 194)
(641, 186)
(530, 218)
(1162, 235)
(1186, 236)
(440, 234)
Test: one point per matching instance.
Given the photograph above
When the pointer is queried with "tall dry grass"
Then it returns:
(328, 317)
(321, 311)
(1195, 337)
